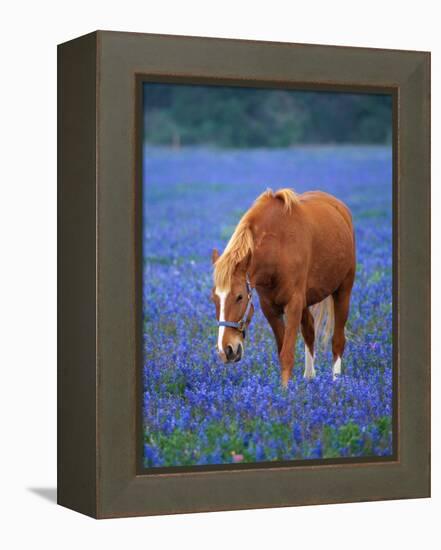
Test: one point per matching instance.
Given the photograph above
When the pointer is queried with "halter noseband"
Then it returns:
(240, 326)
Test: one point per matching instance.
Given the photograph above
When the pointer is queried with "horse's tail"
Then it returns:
(323, 314)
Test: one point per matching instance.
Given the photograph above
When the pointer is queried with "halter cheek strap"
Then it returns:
(240, 326)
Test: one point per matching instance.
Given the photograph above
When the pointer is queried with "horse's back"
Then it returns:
(319, 218)
(327, 200)
(310, 247)
(326, 211)
(333, 242)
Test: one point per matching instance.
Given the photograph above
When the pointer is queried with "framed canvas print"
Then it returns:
(244, 274)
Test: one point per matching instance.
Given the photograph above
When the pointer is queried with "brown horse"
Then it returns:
(298, 252)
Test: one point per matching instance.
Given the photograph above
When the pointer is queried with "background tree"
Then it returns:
(238, 117)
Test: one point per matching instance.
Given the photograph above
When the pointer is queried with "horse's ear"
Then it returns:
(243, 265)
(214, 255)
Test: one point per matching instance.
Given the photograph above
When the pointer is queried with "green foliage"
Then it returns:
(222, 116)
(185, 447)
(350, 440)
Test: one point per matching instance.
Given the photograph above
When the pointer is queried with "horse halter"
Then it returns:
(240, 326)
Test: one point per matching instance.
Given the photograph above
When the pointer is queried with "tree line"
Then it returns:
(226, 116)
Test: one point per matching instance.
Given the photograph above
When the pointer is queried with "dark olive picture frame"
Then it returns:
(99, 213)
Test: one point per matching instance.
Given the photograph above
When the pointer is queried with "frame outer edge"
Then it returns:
(414, 264)
(77, 374)
(121, 492)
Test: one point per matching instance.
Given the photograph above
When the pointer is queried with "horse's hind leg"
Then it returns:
(342, 297)
(308, 337)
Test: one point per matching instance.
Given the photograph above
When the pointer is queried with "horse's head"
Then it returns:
(234, 310)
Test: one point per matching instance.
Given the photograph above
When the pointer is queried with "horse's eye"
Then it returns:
(239, 298)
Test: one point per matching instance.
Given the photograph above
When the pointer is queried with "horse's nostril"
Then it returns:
(229, 352)
(239, 353)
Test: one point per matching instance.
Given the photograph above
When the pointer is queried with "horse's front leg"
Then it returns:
(274, 316)
(293, 315)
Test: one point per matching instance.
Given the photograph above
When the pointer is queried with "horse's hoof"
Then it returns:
(336, 368)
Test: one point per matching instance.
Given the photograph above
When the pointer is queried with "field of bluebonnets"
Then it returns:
(197, 410)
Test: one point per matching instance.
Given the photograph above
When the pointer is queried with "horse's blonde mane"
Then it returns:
(288, 197)
(241, 242)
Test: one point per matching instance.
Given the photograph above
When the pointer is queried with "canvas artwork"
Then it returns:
(267, 279)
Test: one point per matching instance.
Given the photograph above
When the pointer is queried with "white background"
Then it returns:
(29, 34)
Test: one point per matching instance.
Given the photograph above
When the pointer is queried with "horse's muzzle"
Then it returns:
(234, 356)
